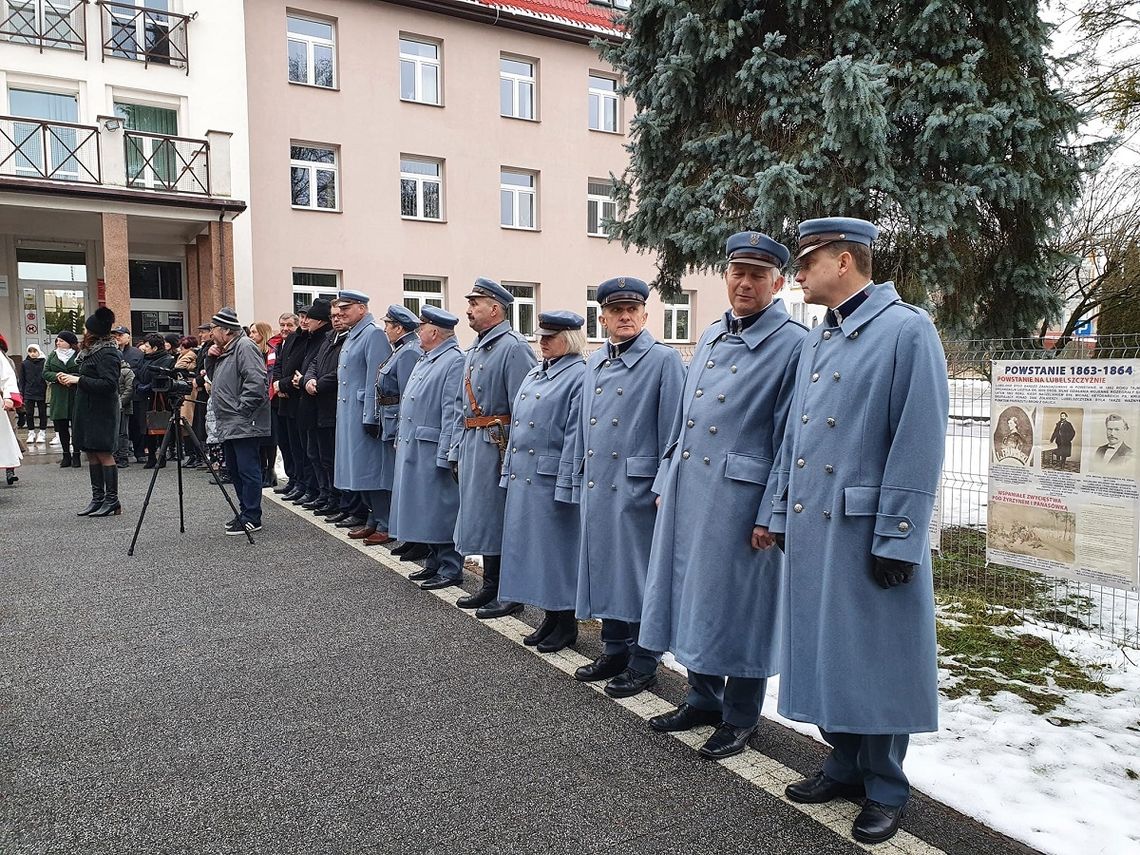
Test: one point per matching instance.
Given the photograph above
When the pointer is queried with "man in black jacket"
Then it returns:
(287, 373)
(136, 427)
(317, 328)
(320, 385)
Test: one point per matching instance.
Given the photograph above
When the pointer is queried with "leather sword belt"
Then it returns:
(487, 421)
(388, 400)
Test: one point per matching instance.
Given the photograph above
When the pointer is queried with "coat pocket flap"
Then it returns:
(861, 501)
(428, 434)
(547, 465)
(360, 395)
(641, 467)
(747, 467)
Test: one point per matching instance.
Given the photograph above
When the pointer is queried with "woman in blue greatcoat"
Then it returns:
(540, 551)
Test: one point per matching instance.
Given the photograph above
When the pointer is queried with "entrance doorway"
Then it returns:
(53, 294)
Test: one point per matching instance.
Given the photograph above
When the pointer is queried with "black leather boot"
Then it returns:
(65, 462)
(565, 633)
(96, 471)
(549, 622)
(490, 589)
(110, 504)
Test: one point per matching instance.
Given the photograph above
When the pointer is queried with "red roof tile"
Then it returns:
(574, 11)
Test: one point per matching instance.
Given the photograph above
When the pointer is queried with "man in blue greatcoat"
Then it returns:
(630, 397)
(493, 369)
(857, 477)
(713, 597)
(425, 497)
(358, 448)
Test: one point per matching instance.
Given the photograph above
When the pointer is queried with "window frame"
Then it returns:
(311, 43)
(518, 191)
(516, 80)
(313, 167)
(421, 297)
(669, 313)
(311, 292)
(603, 95)
(520, 301)
(420, 179)
(419, 62)
(598, 333)
(601, 202)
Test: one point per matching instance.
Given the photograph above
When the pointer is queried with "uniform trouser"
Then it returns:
(243, 459)
(313, 451)
(123, 449)
(737, 699)
(326, 450)
(379, 504)
(444, 560)
(282, 429)
(874, 760)
(619, 636)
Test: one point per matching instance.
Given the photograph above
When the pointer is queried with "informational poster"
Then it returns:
(1063, 495)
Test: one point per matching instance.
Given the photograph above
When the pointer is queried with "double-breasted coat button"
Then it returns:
(827, 515)
(593, 421)
(835, 376)
(826, 334)
(707, 461)
(797, 507)
(513, 450)
(712, 429)
(684, 455)
(590, 453)
(698, 393)
(516, 422)
(828, 468)
(524, 393)
(530, 451)
(904, 526)
(733, 369)
(830, 422)
(536, 396)
(814, 377)
(804, 418)
(590, 484)
(512, 477)
(855, 334)
(720, 398)
(528, 480)
(619, 390)
(690, 422)
(613, 486)
(530, 424)
(614, 455)
(800, 463)
(709, 364)
(614, 422)
(598, 391)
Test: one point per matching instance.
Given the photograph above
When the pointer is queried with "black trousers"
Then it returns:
(137, 429)
(326, 449)
(320, 477)
(63, 428)
(31, 408)
(298, 442)
(283, 429)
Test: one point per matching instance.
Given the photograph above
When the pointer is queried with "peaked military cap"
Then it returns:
(352, 297)
(402, 316)
(552, 323)
(818, 233)
(438, 317)
(622, 289)
(490, 288)
(756, 248)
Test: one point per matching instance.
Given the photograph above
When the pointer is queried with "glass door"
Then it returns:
(48, 310)
(45, 151)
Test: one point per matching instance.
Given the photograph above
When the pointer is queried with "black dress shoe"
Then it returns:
(436, 582)
(564, 634)
(350, 522)
(820, 789)
(402, 548)
(418, 552)
(284, 488)
(498, 608)
(337, 516)
(726, 741)
(477, 600)
(313, 504)
(549, 622)
(292, 494)
(421, 575)
(685, 717)
(602, 668)
(877, 822)
(629, 683)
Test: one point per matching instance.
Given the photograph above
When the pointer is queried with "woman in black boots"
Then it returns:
(62, 402)
(97, 411)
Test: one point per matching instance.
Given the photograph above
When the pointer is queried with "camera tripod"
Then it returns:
(174, 435)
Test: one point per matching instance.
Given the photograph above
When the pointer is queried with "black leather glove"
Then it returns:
(889, 572)
(778, 536)
(372, 430)
(455, 470)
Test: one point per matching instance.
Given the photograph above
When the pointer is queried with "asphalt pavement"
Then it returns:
(301, 696)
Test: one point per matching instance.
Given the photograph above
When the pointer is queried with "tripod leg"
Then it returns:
(150, 489)
(197, 445)
(177, 425)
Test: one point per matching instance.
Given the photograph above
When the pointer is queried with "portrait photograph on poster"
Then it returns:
(1013, 437)
(1062, 451)
(1111, 438)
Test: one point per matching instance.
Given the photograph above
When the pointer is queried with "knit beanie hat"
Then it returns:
(71, 338)
(226, 317)
(100, 322)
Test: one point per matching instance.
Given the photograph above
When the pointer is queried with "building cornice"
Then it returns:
(103, 193)
(515, 18)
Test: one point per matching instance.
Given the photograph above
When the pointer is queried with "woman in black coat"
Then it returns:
(97, 411)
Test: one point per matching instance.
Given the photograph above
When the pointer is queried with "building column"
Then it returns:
(116, 267)
(194, 305)
(214, 265)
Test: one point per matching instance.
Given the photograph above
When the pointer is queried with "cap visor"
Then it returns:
(755, 262)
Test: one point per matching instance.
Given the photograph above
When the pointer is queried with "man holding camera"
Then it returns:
(239, 402)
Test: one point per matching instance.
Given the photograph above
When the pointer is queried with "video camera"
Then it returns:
(175, 382)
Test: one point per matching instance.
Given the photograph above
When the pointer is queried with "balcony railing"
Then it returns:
(51, 151)
(170, 164)
(145, 35)
(44, 23)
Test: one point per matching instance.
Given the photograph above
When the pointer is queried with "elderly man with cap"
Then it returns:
(425, 498)
(630, 397)
(317, 327)
(239, 406)
(359, 450)
(714, 600)
(493, 369)
(391, 377)
(540, 554)
(320, 382)
(855, 488)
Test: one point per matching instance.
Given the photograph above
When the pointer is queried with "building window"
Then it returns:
(155, 280)
(517, 199)
(594, 331)
(516, 88)
(420, 291)
(524, 308)
(603, 104)
(308, 285)
(600, 206)
(421, 189)
(314, 183)
(419, 71)
(677, 318)
(312, 51)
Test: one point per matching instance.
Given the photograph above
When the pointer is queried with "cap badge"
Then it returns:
(754, 239)
(621, 282)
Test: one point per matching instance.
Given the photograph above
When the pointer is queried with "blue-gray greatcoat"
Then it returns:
(540, 552)
(628, 408)
(358, 455)
(496, 364)
(425, 498)
(710, 598)
(391, 378)
(857, 476)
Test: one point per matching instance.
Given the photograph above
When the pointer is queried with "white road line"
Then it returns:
(758, 769)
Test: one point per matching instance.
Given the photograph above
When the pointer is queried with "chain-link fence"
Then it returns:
(961, 571)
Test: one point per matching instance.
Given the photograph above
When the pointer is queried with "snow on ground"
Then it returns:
(1060, 782)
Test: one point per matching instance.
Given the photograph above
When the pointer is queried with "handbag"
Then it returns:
(158, 417)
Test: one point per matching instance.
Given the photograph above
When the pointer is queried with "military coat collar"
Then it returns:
(882, 297)
(440, 349)
(771, 319)
(365, 322)
(496, 332)
(642, 343)
(406, 338)
(559, 366)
